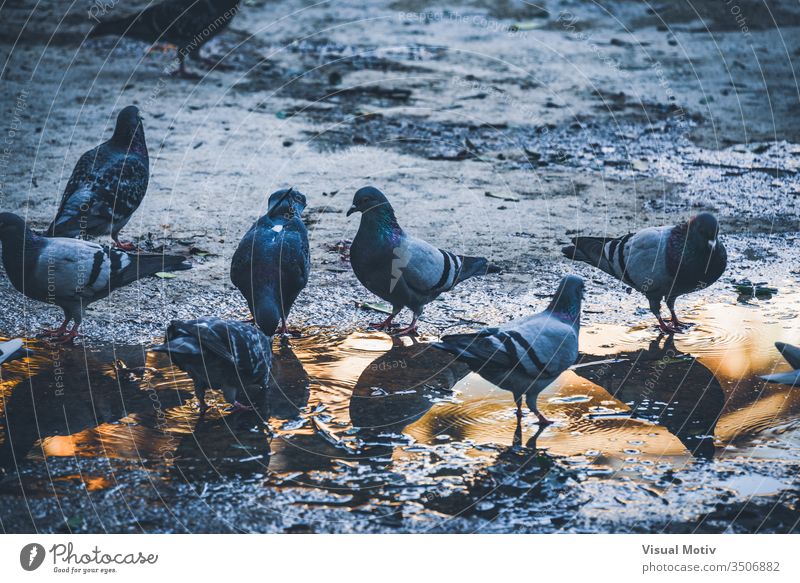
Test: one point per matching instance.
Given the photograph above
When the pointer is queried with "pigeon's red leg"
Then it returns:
(69, 336)
(411, 329)
(126, 246)
(237, 406)
(385, 325)
(55, 332)
(677, 324)
(284, 329)
(543, 421)
(665, 328)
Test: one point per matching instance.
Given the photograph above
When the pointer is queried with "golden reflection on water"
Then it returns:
(653, 407)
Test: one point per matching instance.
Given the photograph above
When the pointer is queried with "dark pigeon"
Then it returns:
(231, 356)
(405, 271)
(792, 356)
(526, 355)
(187, 24)
(107, 184)
(271, 264)
(660, 262)
(71, 273)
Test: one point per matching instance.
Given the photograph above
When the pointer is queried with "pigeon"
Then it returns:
(660, 262)
(107, 184)
(270, 267)
(187, 24)
(524, 356)
(71, 273)
(10, 349)
(401, 269)
(792, 356)
(222, 354)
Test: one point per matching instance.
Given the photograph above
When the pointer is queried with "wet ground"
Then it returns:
(497, 128)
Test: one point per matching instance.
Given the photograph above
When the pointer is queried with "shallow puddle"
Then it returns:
(362, 418)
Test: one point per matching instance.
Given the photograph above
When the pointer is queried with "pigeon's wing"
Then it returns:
(422, 269)
(790, 353)
(81, 173)
(538, 344)
(642, 260)
(73, 269)
(104, 198)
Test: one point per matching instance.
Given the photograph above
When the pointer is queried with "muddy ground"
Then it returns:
(495, 128)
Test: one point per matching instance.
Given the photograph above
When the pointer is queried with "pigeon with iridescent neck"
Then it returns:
(270, 267)
(107, 184)
(405, 271)
(524, 356)
(660, 262)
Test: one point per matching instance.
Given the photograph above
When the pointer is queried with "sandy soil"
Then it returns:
(496, 128)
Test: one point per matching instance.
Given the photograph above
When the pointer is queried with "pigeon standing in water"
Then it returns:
(405, 271)
(220, 354)
(187, 24)
(71, 273)
(792, 356)
(660, 262)
(270, 267)
(526, 355)
(107, 184)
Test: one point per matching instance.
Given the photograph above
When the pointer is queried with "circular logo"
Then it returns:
(31, 556)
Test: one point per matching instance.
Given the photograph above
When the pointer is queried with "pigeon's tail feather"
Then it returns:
(476, 349)
(472, 266)
(790, 353)
(116, 27)
(587, 249)
(144, 264)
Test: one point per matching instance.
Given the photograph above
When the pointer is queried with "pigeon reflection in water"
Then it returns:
(73, 390)
(396, 389)
(667, 387)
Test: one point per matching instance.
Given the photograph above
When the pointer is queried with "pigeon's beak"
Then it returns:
(351, 210)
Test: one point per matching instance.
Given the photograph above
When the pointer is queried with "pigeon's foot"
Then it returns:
(678, 325)
(237, 406)
(667, 328)
(67, 338)
(541, 419)
(408, 331)
(125, 246)
(285, 331)
(385, 325)
(53, 332)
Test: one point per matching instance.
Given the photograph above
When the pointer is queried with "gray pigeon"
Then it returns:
(11, 349)
(792, 356)
(526, 355)
(405, 271)
(107, 184)
(221, 354)
(187, 24)
(270, 267)
(660, 262)
(71, 273)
